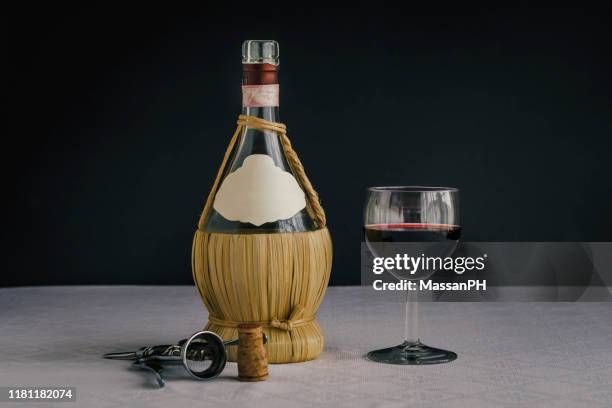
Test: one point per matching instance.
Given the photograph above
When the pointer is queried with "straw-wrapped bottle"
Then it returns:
(262, 253)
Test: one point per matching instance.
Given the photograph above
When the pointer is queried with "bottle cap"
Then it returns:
(260, 52)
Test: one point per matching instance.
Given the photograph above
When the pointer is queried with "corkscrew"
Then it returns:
(203, 355)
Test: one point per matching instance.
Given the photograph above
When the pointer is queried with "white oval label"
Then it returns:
(259, 192)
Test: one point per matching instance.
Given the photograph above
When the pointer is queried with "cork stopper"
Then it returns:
(252, 358)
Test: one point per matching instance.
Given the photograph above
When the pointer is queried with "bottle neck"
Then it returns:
(260, 91)
(267, 113)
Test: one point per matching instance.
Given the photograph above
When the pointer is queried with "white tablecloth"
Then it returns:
(510, 354)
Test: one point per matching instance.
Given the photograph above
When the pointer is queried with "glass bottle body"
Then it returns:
(252, 143)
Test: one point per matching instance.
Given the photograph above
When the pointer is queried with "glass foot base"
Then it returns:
(409, 353)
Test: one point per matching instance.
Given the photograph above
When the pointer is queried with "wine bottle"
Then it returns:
(262, 253)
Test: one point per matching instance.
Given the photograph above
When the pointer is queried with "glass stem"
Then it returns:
(411, 323)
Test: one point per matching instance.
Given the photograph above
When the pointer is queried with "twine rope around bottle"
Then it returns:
(296, 319)
(312, 198)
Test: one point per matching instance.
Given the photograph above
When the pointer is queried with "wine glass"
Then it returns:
(423, 221)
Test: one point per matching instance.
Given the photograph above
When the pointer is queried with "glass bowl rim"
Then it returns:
(412, 189)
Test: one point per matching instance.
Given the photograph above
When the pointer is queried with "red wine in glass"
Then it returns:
(411, 232)
(413, 239)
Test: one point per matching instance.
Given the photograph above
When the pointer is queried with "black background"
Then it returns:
(119, 119)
